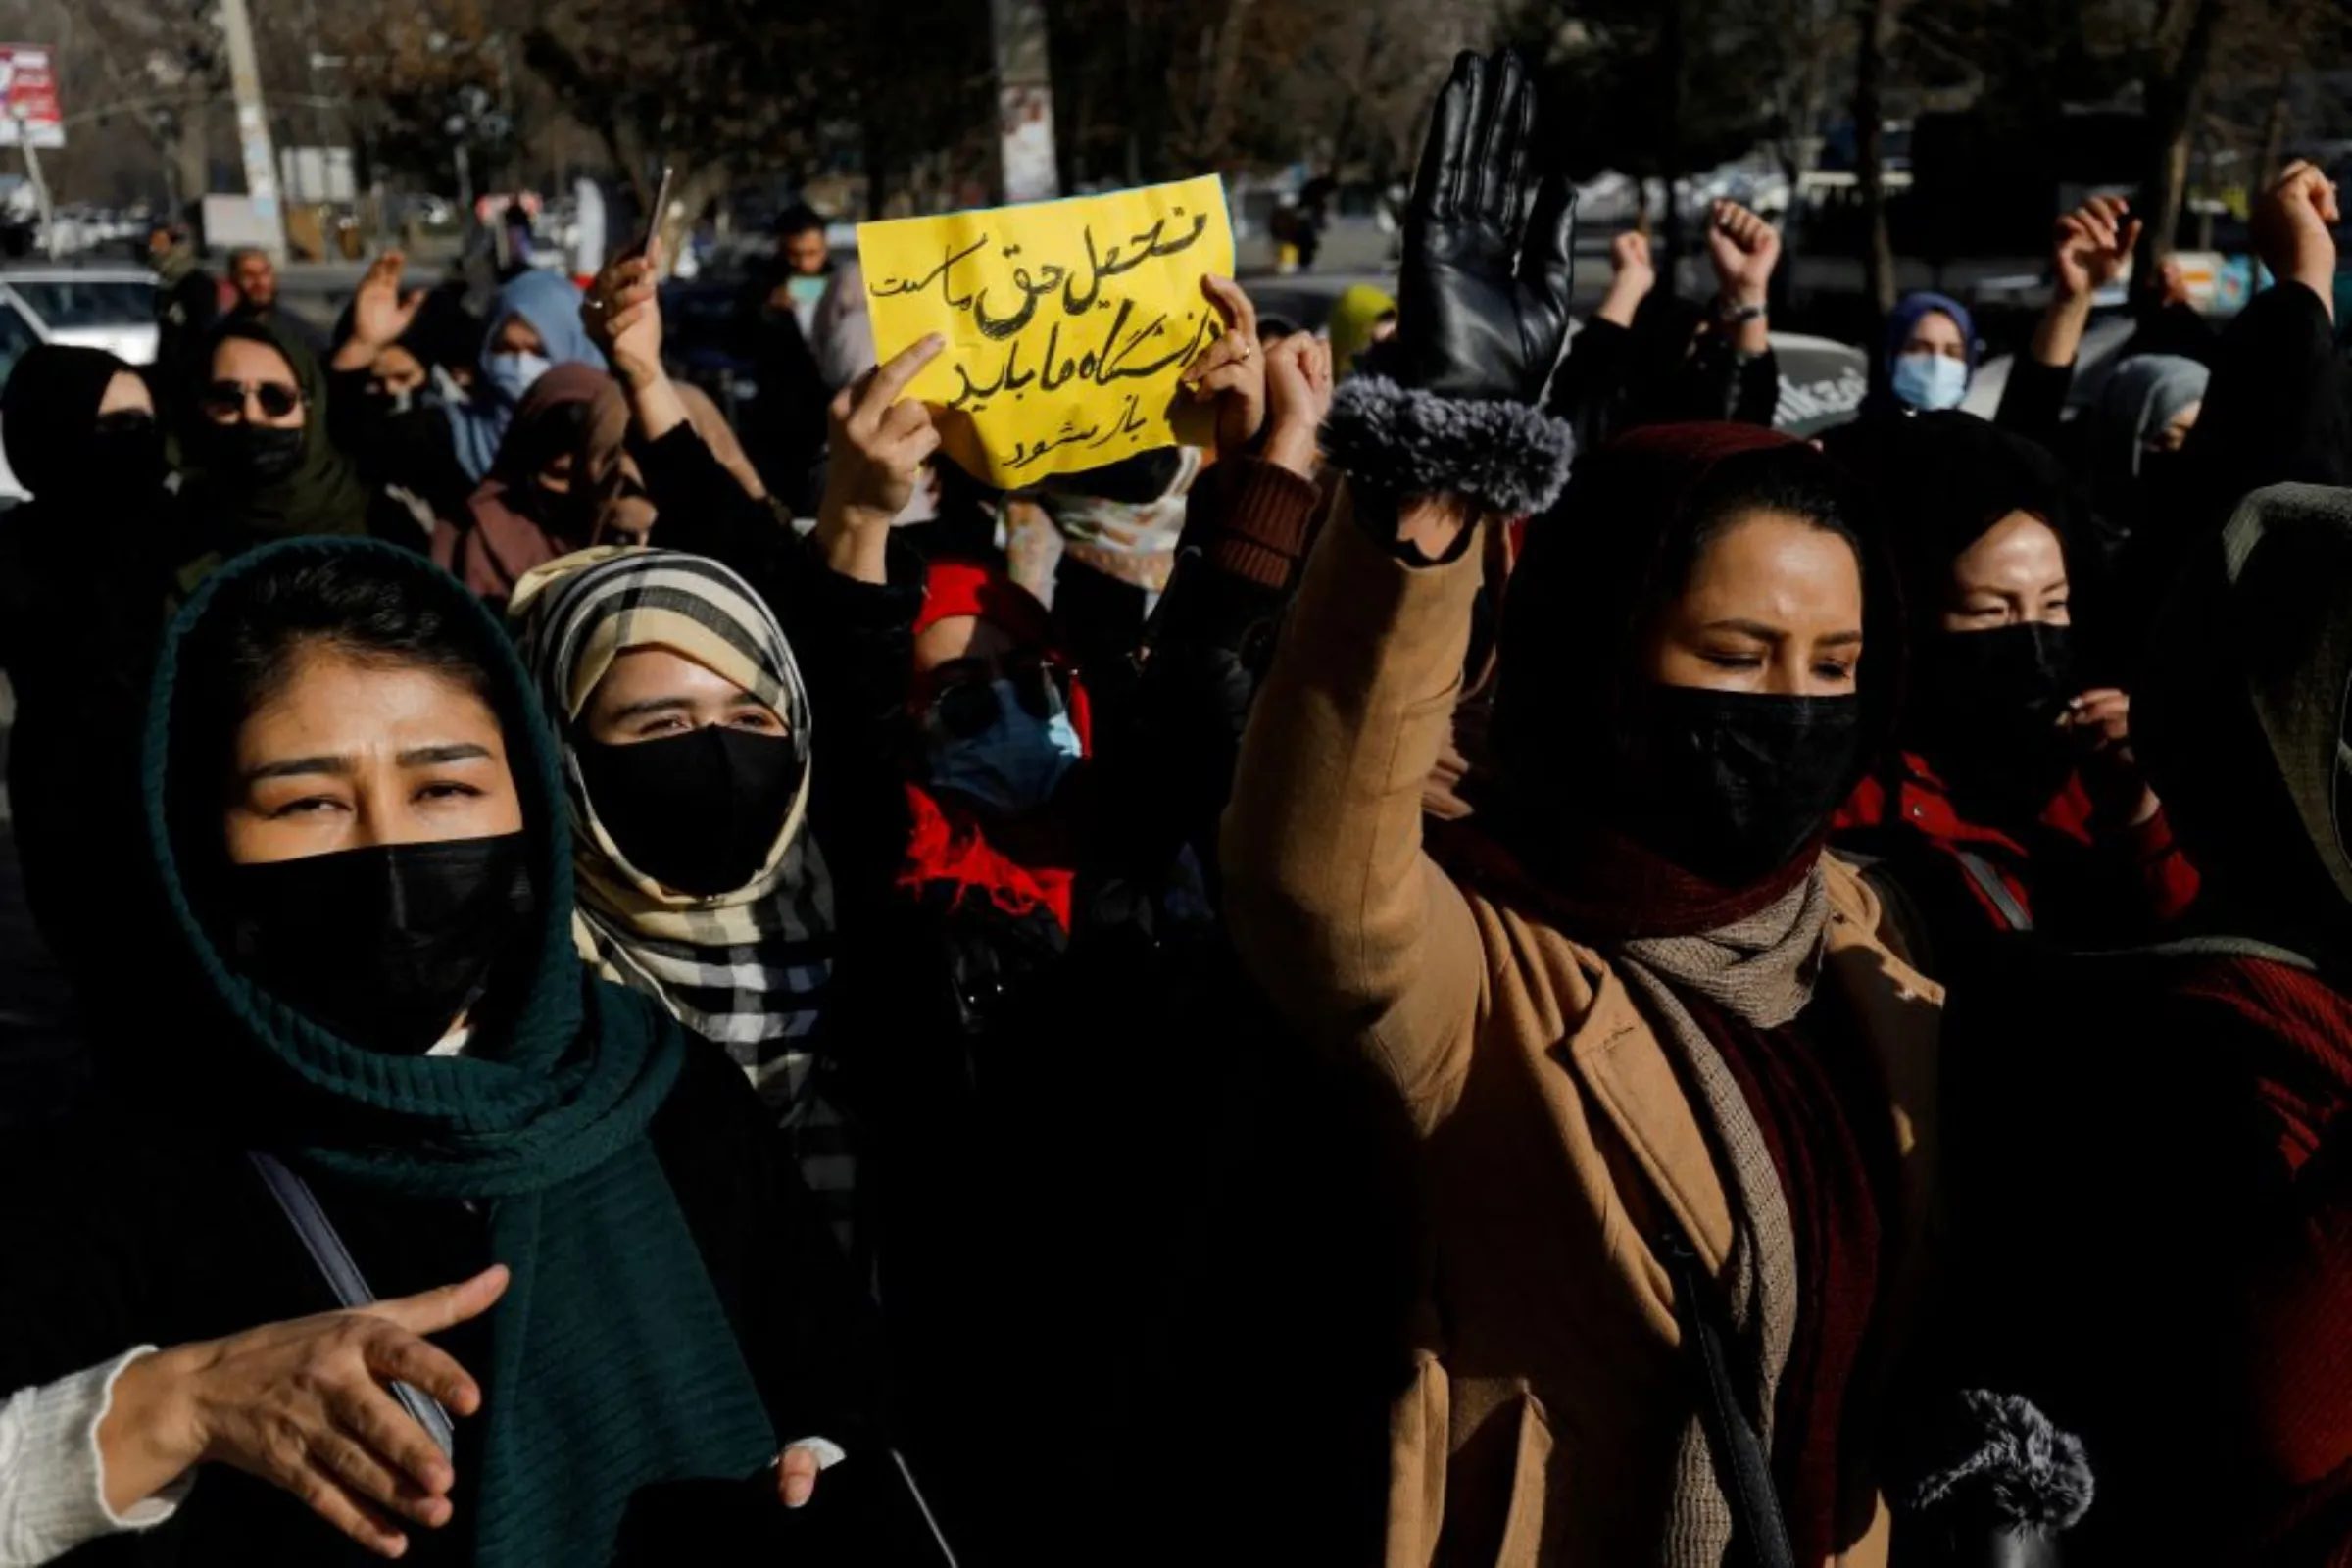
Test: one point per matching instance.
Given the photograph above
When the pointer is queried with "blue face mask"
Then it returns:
(1930, 383)
(1016, 764)
(511, 375)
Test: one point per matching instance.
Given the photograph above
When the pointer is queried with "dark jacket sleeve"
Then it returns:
(1592, 380)
(2275, 409)
(2033, 403)
(1247, 527)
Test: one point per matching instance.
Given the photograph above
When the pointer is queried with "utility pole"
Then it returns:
(1025, 101)
(253, 129)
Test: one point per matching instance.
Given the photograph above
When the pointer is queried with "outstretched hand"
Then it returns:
(1231, 371)
(881, 441)
(1482, 294)
(1299, 384)
(1744, 249)
(304, 1405)
(2091, 246)
(380, 313)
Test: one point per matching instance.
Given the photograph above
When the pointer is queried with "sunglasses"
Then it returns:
(276, 398)
(969, 707)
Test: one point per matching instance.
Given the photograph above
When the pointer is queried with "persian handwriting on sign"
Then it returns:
(1068, 323)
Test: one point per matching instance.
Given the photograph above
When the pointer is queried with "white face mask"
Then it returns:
(513, 373)
(1930, 383)
(1014, 764)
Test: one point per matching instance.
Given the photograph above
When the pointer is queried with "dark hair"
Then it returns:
(1791, 479)
(357, 605)
(798, 219)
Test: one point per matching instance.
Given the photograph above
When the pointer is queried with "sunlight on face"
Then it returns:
(1774, 606)
(126, 393)
(2015, 574)
(652, 693)
(252, 365)
(351, 755)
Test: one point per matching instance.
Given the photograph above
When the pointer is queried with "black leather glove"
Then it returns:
(1482, 304)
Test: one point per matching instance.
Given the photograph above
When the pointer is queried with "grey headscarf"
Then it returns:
(2146, 393)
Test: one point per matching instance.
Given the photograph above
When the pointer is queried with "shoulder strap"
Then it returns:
(1760, 1538)
(343, 1277)
(1987, 879)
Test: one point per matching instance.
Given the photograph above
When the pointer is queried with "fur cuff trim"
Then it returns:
(1510, 459)
(2007, 1461)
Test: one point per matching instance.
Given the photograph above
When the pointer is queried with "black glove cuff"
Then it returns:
(1510, 459)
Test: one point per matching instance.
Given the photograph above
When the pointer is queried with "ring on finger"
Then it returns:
(1245, 349)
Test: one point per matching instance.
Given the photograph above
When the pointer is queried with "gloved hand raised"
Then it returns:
(1483, 299)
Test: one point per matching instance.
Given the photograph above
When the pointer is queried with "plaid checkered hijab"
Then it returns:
(746, 968)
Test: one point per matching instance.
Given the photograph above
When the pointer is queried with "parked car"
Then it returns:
(110, 307)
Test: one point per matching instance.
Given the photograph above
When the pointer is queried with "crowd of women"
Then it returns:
(1563, 979)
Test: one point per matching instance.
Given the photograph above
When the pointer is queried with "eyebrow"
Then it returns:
(1838, 639)
(341, 766)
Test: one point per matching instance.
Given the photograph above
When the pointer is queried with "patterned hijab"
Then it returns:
(747, 968)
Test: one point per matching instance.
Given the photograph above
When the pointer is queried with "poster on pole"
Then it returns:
(1068, 323)
(29, 112)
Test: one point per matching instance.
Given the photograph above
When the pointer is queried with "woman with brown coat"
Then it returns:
(1668, 1083)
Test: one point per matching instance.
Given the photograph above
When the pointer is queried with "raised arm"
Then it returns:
(2088, 249)
(1355, 933)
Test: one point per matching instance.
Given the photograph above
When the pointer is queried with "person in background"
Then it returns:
(2190, 1099)
(254, 278)
(354, 809)
(266, 467)
(1646, 358)
(534, 326)
(2138, 430)
(1360, 317)
(784, 427)
(88, 574)
(1926, 361)
(187, 306)
(686, 737)
(2011, 801)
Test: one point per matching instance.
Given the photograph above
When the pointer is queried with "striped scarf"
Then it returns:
(749, 969)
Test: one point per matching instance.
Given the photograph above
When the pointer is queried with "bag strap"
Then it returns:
(343, 1277)
(1759, 1536)
(1980, 872)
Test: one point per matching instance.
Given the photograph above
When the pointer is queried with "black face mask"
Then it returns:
(126, 453)
(1729, 786)
(697, 812)
(381, 947)
(256, 454)
(1989, 704)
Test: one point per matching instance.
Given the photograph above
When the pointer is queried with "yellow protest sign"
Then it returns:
(1068, 323)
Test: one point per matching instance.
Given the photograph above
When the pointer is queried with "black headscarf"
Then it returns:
(1595, 570)
(48, 417)
(2240, 720)
(323, 495)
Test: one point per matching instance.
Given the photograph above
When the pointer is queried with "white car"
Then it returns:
(110, 307)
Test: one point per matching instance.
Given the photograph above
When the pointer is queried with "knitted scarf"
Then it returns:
(747, 968)
(612, 1367)
(1759, 969)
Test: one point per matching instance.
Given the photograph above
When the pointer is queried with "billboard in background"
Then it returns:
(29, 91)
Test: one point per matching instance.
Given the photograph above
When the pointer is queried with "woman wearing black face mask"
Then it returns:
(263, 466)
(1660, 1065)
(359, 830)
(2012, 802)
(686, 728)
(87, 573)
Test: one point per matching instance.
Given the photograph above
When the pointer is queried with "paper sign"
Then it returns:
(1068, 323)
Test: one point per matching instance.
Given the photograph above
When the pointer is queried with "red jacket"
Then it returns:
(2074, 869)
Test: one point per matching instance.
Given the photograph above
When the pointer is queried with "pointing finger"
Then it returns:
(890, 380)
(431, 1311)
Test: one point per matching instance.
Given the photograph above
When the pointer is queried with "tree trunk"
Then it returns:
(1217, 119)
(1870, 157)
(2180, 60)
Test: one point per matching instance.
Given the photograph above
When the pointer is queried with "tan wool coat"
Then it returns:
(1555, 1134)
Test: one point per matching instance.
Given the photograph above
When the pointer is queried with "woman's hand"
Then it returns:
(2092, 245)
(1231, 372)
(795, 1475)
(380, 315)
(2291, 229)
(1483, 294)
(1744, 250)
(2100, 722)
(304, 1405)
(1632, 276)
(622, 313)
(1298, 383)
(880, 444)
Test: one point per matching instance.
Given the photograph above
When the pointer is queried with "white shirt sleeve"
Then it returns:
(52, 1476)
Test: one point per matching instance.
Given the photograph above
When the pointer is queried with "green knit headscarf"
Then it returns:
(612, 1364)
